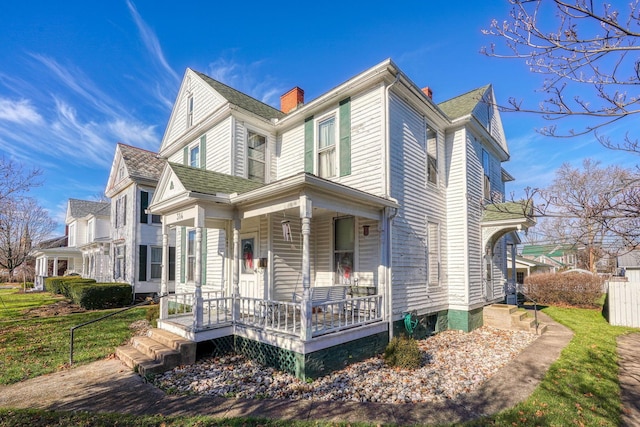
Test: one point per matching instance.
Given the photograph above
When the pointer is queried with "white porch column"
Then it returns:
(513, 265)
(197, 274)
(236, 269)
(55, 266)
(306, 331)
(164, 275)
(46, 266)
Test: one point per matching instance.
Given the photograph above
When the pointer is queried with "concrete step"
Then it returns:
(138, 361)
(185, 347)
(509, 317)
(157, 352)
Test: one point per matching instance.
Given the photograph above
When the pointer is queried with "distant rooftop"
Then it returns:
(81, 208)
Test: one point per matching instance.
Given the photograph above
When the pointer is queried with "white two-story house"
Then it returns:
(135, 233)
(310, 233)
(87, 252)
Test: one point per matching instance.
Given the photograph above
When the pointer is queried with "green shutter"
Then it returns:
(345, 137)
(142, 264)
(144, 204)
(203, 152)
(308, 144)
(183, 248)
(185, 156)
(203, 248)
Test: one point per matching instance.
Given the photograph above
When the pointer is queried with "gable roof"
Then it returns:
(242, 100)
(209, 182)
(140, 163)
(82, 208)
(463, 105)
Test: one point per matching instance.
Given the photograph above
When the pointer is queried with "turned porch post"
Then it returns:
(306, 331)
(236, 269)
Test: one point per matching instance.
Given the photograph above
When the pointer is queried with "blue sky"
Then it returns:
(76, 77)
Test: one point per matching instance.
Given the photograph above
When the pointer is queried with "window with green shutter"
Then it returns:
(308, 144)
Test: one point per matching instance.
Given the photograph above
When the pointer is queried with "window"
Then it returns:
(156, 262)
(145, 196)
(433, 254)
(194, 157)
(72, 235)
(256, 145)
(520, 277)
(327, 148)
(191, 255)
(486, 171)
(432, 157)
(119, 263)
(121, 209)
(343, 251)
(190, 111)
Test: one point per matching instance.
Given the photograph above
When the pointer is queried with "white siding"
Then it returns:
(323, 233)
(624, 304)
(475, 198)
(287, 261)
(219, 147)
(368, 253)
(215, 280)
(290, 152)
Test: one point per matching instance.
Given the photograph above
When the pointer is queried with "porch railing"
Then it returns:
(335, 316)
(280, 316)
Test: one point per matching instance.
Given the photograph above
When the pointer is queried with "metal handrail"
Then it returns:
(535, 304)
(155, 300)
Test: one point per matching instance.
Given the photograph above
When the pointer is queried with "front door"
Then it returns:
(248, 266)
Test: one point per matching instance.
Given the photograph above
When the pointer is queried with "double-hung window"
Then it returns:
(191, 255)
(327, 148)
(156, 262)
(343, 249)
(432, 157)
(194, 156)
(256, 156)
(119, 263)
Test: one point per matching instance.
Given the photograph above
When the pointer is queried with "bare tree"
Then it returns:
(23, 223)
(587, 53)
(16, 180)
(590, 209)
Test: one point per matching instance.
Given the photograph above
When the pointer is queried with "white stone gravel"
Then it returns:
(454, 362)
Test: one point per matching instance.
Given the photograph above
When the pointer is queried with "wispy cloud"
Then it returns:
(19, 112)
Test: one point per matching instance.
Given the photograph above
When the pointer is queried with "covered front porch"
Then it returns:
(299, 264)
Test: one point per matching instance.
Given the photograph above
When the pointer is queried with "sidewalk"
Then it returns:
(628, 346)
(109, 386)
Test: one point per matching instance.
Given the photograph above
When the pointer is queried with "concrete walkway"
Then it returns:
(628, 347)
(108, 386)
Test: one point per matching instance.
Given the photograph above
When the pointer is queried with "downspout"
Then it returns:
(387, 193)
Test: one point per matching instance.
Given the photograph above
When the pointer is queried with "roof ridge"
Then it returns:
(136, 148)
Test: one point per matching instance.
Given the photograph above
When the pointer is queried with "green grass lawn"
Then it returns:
(13, 302)
(30, 347)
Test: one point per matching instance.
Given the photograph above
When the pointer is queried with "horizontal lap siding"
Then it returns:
(219, 147)
(456, 220)
(287, 260)
(215, 260)
(239, 150)
(368, 253)
(322, 228)
(290, 152)
(474, 214)
(408, 179)
(366, 142)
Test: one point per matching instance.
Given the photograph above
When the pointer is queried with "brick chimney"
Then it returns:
(291, 100)
(427, 91)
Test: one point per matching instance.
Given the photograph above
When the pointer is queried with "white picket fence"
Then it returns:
(624, 304)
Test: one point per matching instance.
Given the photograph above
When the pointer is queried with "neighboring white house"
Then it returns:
(136, 236)
(88, 244)
(308, 233)
(628, 265)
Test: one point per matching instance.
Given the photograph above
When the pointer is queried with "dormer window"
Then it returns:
(190, 110)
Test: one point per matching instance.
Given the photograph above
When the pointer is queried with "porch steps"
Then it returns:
(157, 352)
(509, 317)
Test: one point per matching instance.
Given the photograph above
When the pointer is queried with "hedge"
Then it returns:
(574, 289)
(89, 294)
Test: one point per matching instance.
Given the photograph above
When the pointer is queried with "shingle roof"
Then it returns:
(241, 100)
(630, 259)
(464, 104)
(210, 182)
(82, 208)
(506, 211)
(141, 164)
(547, 250)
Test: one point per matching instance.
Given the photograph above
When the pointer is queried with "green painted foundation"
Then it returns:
(465, 320)
(428, 324)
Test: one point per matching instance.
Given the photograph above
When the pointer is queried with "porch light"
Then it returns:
(365, 230)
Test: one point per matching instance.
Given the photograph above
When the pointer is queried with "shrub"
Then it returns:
(574, 289)
(153, 313)
(61, 284)
(95, 296)
(403, 352)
